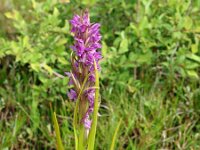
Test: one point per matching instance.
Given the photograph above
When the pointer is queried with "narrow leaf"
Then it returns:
(92, 133)
(115, 135)
(57, 130)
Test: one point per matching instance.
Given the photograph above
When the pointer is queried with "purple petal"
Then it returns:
(72, 95)
(86, 121)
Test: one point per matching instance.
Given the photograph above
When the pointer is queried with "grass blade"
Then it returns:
(115, 135)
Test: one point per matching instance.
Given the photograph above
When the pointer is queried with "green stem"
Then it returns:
(75, 114)
(82, 111)
(81, 138)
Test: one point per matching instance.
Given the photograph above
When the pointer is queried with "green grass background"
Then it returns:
(149, 79)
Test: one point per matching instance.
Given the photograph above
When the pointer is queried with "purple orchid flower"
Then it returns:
(87, 42)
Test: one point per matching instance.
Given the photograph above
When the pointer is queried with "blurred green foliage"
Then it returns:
(150, 72)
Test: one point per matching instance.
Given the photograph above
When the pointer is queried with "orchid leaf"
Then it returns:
(57, 130)
(91, 138)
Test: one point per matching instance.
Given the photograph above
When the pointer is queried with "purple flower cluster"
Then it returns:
(87, 41)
